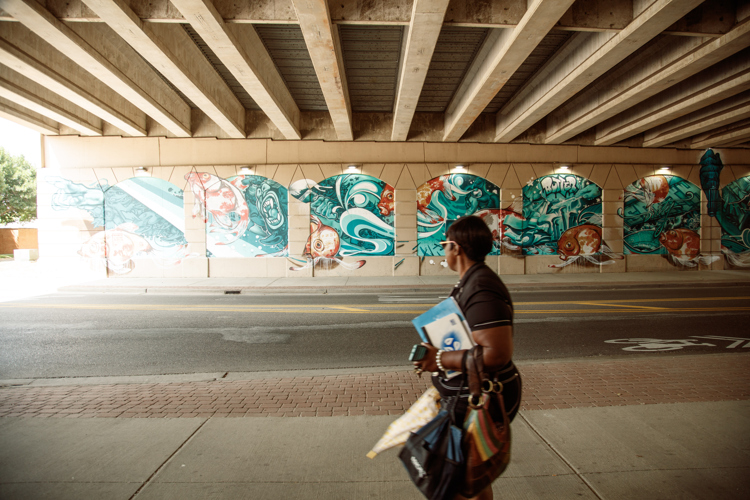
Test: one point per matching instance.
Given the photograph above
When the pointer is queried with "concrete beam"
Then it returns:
(141, 85)
(670, 61)
(483, 53)
(169, 49)
(54, 74)
(241, 50)
(575, 72)
(315, 23)
(712, 18)
(33, 96)
(424, 30)
(30, 119)
(734, 134)
(723, 80)
(508, 52)
(724, 113)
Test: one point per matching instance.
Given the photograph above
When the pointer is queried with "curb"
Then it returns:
(235, 376)
(377, 289)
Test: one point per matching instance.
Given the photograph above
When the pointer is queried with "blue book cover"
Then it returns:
(445, 327)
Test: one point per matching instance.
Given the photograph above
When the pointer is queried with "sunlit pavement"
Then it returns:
(24, 279)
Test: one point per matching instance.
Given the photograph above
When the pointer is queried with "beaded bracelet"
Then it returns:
(438, 361)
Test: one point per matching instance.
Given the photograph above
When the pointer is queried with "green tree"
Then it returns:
(17, 189)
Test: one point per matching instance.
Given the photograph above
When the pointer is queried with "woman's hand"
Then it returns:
(427, 364)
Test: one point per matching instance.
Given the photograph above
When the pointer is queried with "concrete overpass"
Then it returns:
(404, 91)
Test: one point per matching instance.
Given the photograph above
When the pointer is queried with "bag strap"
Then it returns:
(474, 371)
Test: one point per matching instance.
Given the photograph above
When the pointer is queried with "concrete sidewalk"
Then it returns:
(690, 450)
(643, 427)
(27, 279)
(402, 284)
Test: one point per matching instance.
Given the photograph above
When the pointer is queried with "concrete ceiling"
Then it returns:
(640, 73)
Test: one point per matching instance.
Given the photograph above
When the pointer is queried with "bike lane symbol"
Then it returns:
(644, 344)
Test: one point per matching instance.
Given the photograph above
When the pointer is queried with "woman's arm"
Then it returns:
(498, 351)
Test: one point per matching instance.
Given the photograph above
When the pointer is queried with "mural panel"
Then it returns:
(735, 222)
(661, 216)
(506, 225)
(730, 207)
(142, 216)
(563, 215)
(350, 215)
(442, 200)
(245, 215)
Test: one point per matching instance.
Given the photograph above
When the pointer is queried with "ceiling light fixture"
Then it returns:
(246, 170)
(664, 170)
(563, 168)
(141, 172)
(352, 168)
(460, 169)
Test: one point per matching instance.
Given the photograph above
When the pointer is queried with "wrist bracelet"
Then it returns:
(438, 361)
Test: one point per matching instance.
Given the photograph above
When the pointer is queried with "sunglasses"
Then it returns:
(448, 242)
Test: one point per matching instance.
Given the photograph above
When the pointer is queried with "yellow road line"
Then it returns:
(634, 301)
(350, 309)
(326, 309)
(621, 311)
(354, 307)
(320, 309)
(618, 305)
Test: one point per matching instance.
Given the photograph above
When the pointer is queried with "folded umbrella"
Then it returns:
(421, 412)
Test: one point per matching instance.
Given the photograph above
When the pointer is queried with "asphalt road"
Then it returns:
(65, 335)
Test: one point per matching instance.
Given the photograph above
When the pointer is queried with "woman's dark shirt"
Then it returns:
(483, 298)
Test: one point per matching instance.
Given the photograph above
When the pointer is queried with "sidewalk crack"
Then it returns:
(169, 459)
(560, 455)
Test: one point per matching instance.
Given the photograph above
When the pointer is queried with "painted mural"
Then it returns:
(506, 225)
(661, 216)
(735, 222)
(444, 199)
(563, 216)
(730, 207)
(141, 217)
(245, 215)
(350, 215)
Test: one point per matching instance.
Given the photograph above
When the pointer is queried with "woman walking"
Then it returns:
(488, 309)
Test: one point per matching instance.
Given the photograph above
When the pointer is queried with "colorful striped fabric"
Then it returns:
(483, 436)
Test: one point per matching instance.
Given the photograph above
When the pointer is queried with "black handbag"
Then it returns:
(434, 459)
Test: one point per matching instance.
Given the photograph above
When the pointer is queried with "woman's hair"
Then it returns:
(473, 235)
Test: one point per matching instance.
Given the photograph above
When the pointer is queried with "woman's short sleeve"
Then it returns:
(488, 309)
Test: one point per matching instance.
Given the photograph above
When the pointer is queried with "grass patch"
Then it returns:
(6, 256)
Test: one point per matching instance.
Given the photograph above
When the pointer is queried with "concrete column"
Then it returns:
(406, 262)
(710, 238)
(511, 261)
(299, 232)
(195, 234)
(612, 228)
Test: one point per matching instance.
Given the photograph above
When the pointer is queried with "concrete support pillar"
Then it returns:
(195, 234)
(510, 261)
(612, 228)
(710, 238)
(406, 262)
(299, 232)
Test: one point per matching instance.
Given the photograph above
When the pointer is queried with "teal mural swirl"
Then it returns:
(444, 199)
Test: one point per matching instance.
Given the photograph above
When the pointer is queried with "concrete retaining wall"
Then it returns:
(69, 233)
